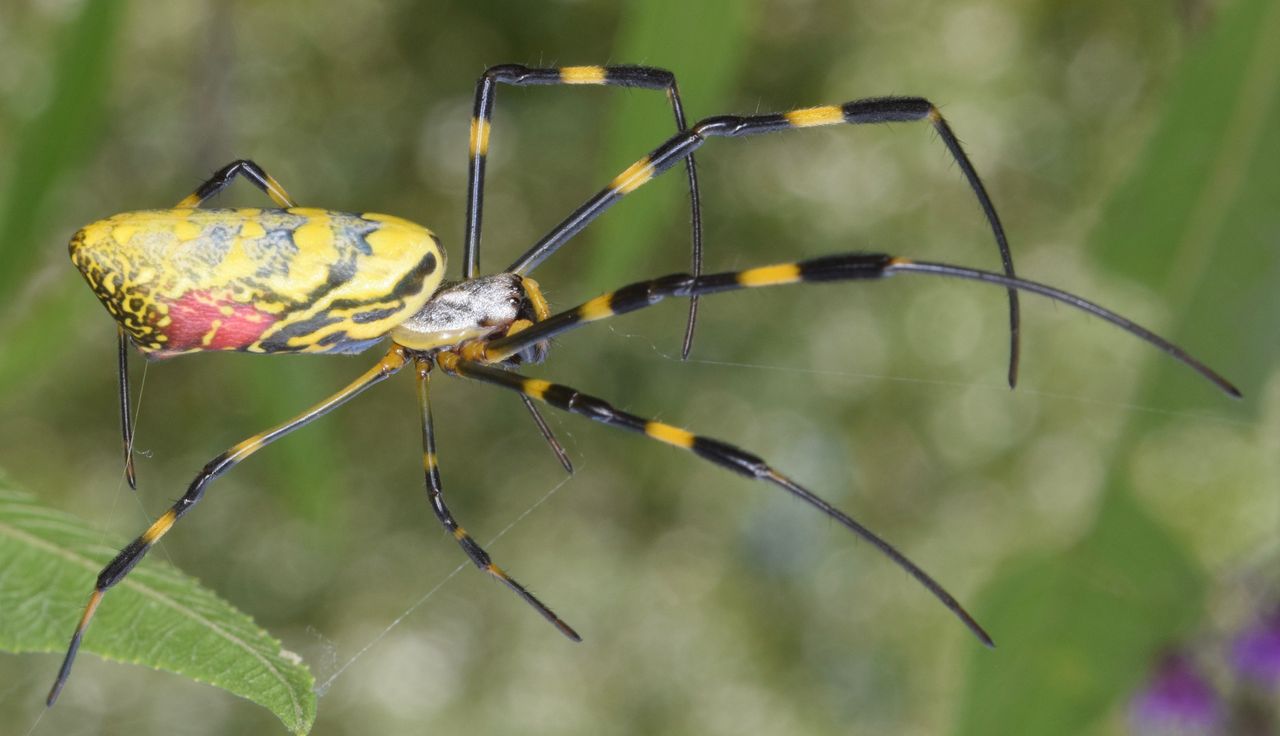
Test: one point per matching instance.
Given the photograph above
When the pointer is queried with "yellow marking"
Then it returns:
(597, 308)
(188, 202)
(186, 230)
(783, 273)
(669, 434)
(159, 527)
(393, 361)
(379, 217)
(245, 448)
(541, 310)
(307, 211)
(635, 175)
(518, 326)
(252, 230)
(214, 326)
(277, 192)
(448, 362)
(479, 137)
(582, 75)
(314, 237)
(536, 388)
(94, 600)
(226, 311)
(459, 533)
(123, 233)
(475, 351)
(428, 461)
(393, 240)
(896, 261)
(935, 116)
(812, 116)
(96, 233)
(496, 571)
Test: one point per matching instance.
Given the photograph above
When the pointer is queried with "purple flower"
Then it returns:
(1255, 653)
(1177, 700)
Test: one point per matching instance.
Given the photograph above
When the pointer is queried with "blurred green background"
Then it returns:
(1113, 504)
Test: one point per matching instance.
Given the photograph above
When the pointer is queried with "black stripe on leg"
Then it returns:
(844, 267)
(639, 76)
(728, 456)
(886, 110)
(471, 547)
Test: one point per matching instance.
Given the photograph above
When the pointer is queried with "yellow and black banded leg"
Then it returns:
(720, 453)
(223, 177)
(642, 77)
(126, 419)
(133, 553)
(482, 122)
(435, 494)
(842, 267)
(858, 112)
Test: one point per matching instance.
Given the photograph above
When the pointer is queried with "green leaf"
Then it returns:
(1196, 221)
(156, 616)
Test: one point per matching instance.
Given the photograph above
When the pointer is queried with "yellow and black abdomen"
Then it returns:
(265, 281)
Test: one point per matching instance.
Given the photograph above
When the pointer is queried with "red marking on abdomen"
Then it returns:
(198, 316)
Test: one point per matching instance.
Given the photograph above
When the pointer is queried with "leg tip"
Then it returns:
(568, 631)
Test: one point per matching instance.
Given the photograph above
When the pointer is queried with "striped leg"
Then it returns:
(435, 494)
(132, 554)
(643, 77)
(223, 177)
(720, 453)
(844, 267)
(858, 112)
(481, 122)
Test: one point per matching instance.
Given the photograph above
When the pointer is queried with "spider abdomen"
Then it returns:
(298, 280)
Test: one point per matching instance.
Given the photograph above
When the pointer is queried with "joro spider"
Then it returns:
(299, 280)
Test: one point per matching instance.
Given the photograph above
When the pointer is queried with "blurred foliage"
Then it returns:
(709, 605)
(1126, 589)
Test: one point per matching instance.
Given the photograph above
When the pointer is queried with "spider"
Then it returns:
(301, 280)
